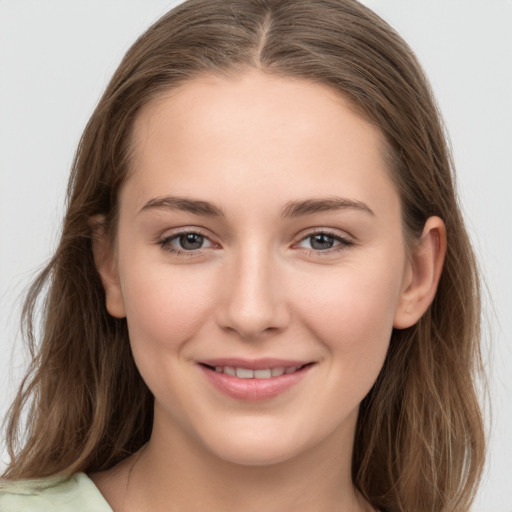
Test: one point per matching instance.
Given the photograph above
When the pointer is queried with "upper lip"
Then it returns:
(253, 364)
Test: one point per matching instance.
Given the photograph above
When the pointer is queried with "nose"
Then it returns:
(253, 301)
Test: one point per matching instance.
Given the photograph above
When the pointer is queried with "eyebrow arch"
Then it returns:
(291, 209)
(184, 204)
(310, 206)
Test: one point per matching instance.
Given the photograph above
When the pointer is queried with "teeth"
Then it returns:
(262, 374)
(246, 373)
(277, 372)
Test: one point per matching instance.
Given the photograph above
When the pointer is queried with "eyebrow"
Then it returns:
(184, 204)
(311, 206)
(292, 209)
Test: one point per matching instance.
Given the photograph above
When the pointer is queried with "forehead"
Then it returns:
(256, 132)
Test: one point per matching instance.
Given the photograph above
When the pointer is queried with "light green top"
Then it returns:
(53, 494)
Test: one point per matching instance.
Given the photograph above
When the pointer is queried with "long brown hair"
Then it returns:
(419, 442)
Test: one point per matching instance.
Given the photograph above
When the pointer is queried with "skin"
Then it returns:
(259, 286)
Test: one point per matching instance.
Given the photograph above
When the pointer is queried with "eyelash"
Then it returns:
(343, 243)
(165, 243)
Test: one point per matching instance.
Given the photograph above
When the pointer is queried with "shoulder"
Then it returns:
(54, 494)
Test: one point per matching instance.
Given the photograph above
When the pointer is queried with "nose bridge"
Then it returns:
(254, 302)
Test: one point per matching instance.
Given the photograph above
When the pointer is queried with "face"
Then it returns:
(259, 262)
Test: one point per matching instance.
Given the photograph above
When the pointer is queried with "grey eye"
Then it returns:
(186, 242)
(321, 241)
(190, 241)
(324, 242)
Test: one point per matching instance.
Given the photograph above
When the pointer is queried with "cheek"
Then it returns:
(165, 306)
(351, 312)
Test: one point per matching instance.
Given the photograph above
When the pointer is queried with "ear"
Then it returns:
(106, 264)
(422, 274)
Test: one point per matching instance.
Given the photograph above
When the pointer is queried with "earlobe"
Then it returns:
(105, 261)
(423, 274)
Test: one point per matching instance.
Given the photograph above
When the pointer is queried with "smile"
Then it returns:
(247, 373)
(256, 380)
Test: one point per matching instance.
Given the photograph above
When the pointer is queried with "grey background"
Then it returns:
(56, 57)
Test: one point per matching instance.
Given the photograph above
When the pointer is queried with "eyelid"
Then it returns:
(335, 233)
(345, 240)
(183, 230)
(169, 235)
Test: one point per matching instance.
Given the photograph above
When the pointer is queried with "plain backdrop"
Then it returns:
(56, 57)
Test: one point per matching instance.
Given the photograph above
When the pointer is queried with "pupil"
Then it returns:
(322, 241)
(191, 241)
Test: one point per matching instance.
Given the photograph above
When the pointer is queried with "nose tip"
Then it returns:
(254, 305)
(251, 318)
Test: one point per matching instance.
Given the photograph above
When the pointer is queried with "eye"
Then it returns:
(324, 241)
(186, 242)
(190, 241)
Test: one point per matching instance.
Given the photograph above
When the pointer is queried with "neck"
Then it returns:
(175, 473)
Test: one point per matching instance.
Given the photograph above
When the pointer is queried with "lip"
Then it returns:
(252, 390)
(254, 364)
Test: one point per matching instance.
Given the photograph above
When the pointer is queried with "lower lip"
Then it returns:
(254, 389)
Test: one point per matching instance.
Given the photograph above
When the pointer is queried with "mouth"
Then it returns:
(249, 373)
(254, 380)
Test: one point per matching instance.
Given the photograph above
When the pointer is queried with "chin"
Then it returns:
(260, 444)
(260, 453)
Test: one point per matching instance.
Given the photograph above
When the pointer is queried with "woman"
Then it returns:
(263, 270)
